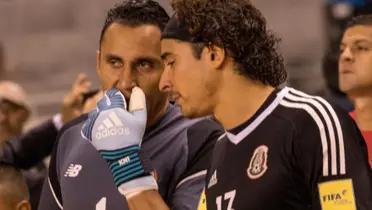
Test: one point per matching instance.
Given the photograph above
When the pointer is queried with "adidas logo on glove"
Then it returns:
(111, 126)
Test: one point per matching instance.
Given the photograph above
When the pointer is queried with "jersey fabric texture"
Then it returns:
(80, 179)
(296, 152)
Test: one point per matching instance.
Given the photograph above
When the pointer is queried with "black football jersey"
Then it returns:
(296, 152)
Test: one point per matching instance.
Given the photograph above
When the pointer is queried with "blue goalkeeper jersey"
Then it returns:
(179, 149)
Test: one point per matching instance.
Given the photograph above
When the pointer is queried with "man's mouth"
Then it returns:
(345, 71)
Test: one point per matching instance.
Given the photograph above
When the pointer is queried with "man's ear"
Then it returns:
(216, 56)
(24, 205)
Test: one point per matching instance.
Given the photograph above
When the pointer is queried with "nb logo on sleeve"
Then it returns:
(73, 170)
(111, 126)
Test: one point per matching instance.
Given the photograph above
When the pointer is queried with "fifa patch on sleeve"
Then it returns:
(337, 195)
(203, 202)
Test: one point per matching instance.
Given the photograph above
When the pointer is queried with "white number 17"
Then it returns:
(229, 196)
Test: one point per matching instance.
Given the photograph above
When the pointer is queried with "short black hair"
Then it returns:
(13, 188)
(365, 20)
(239, 28)
(135, 13)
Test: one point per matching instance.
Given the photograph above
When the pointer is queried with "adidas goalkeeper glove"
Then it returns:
(117, 135)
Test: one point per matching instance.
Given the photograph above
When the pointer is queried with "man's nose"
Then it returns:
(127, 81)
(165, 82)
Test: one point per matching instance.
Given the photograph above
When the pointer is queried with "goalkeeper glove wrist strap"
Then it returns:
(125, 164)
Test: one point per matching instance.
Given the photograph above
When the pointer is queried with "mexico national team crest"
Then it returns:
(258, 164)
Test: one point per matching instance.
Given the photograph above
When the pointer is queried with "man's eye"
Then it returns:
(362, 48)
(115, 63)
(170, 63)
(144, 66)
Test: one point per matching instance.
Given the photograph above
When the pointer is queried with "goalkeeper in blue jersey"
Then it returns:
(149, 147)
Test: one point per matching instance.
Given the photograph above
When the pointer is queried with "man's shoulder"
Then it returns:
(171, 127)
(300, 109)
(205, 124)
(73, 123)
(201, 132)
(70, 134)
(201, 138)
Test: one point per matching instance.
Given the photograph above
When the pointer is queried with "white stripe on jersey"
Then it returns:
(221, 137)
(320, 125)
(193, 176)
(54, 195)
(329, 125)
(338, 127)
(236, 139)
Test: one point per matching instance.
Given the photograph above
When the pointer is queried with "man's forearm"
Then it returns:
(147, 200)
(30, 148)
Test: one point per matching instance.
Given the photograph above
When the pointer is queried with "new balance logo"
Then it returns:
(111, 126)
(213, 179)
(73, 170)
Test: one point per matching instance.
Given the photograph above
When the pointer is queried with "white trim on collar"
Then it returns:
(236, 139)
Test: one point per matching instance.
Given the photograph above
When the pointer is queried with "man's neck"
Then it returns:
(239, 98)
(363, 112)
(157, 112)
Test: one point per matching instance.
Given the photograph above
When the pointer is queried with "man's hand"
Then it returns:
(117, 135)
(73, 103)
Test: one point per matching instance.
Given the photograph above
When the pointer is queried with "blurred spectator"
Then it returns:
(14, 194)
(28, 150)
(14, 113)
(14, 110)
(333, 92)
(355, 73)
(337, 15)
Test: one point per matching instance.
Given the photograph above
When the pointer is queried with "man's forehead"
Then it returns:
(141, 40)
(143, 30)
(359, 32)
(170, 46)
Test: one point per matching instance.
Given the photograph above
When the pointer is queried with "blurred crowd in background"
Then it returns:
(47, 63)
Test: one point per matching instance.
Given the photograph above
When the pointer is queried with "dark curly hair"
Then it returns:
(135, 13)
(239, 28)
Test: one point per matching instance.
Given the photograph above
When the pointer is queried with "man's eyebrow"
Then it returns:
(112, 56)
(154, 60)
(165, 55)
(359, 41)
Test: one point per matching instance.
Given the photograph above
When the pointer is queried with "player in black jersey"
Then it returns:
(282, 149)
